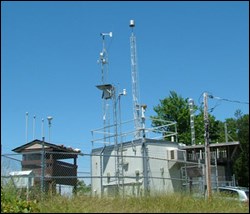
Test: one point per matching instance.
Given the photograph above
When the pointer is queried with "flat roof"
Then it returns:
(136, 142)
(20, 173)
(200, 146)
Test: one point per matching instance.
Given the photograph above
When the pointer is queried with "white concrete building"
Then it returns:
(136, 167)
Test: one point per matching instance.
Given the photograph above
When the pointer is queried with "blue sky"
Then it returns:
(49, 53)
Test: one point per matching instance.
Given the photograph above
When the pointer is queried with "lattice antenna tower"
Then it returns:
(106, 88)
(135, 82)
(104, 57)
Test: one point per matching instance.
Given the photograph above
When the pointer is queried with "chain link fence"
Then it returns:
(60, 173)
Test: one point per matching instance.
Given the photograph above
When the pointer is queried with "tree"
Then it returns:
(82, 188)
(238, 130)
(231, 124)
(241, 166)
(175, 108)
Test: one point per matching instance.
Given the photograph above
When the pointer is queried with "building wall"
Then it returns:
(108, 171)
(95, 173)
(163, 175)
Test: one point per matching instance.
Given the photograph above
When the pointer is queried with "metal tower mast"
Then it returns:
(191, 108)
(106, 88)
(104, 57)
(135, 90)
(108, 92)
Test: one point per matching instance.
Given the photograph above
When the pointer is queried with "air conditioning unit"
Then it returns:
(176, 154)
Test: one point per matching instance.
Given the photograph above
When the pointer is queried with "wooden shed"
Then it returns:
(53, 168)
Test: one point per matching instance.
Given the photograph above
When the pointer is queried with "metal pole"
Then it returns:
(216, 169)
(42, 159)
(49, 130)
(207, 149)
(101, 174)
(117, 171)
(49, 120)
(120, 121)
(27, 115)
(191, 108)
(34, 126)
(145, 166)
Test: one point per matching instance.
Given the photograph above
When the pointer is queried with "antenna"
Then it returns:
(27, 116)
(108, 90)
(104, 56)
(34, 126)
(42, 129)
(107, 34)
(134, 73)
(49, 120)
(42, 159)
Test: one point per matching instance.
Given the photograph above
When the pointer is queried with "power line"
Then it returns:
(232, 101)
(209, 95)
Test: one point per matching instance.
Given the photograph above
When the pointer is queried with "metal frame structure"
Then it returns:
(135, 81)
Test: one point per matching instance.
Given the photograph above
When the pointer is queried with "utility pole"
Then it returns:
(207, 149)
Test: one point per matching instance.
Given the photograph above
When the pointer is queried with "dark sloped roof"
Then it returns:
(54, 147)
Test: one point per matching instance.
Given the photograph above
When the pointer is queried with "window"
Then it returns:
(36, 156)
(172, 154)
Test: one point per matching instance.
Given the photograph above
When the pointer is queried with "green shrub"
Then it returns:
(12, 203)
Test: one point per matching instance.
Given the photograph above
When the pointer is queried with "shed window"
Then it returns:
(33, 156)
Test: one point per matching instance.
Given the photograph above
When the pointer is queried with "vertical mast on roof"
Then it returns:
(106, 88)
(104, 57)
(34, 126)
(191, 109)
(27, 116)
(134, 73)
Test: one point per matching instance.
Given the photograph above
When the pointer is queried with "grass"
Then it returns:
(12, 201)
(175, 203)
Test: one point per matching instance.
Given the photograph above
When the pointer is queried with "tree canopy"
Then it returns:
(176, 109)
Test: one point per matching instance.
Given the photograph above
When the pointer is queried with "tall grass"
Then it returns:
(175, 203)
(12, 201)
